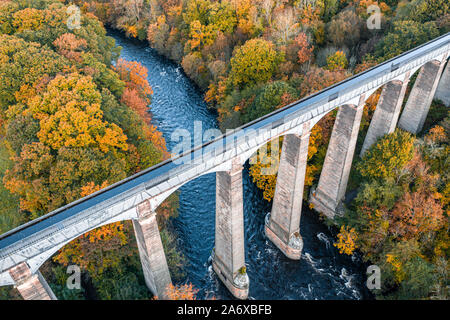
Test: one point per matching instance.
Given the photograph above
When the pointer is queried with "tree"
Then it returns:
(272, 96)
(181, 292)
(196, 69)
(367, 63)
(415, 214)
(158, 34)
(344, 29)
(29, 19)
(346, 240)
(319, 78)
(70, 115)
(405, 35)
(267, 8)
(7, 9)
(222, 17)
(254, 62)
(26, 178)
(285, 26)
(133, 99)
(264, 170)
(248, 21)
(387, 158)
(21, 130)
(197, 10)
(305, 51)
(423, 10)
(71, 47)
(419, 280)
(336, 61)
(330, 8)
(135, 76)
(75, 168)
(24, 63)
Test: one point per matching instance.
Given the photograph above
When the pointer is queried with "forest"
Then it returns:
(249, 57)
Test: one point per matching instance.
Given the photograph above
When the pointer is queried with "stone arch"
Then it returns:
(297, 130)
(36, 263)
(441, 59)
(155, 202)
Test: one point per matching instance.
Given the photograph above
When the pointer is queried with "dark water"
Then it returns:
(322, 273)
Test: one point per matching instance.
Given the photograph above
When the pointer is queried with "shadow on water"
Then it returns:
(322, 273)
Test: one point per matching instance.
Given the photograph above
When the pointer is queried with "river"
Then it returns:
(322, 273)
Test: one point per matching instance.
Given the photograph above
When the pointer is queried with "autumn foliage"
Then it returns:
(181, 292)
(400, 220)
(346, 240)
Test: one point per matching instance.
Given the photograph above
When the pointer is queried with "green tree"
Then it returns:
(388, 156)
(423, 10)
(222, 17)
(254, 62)
(344, 29)
(24, 63)
(405, 35)
(338, 60)
(272, 96)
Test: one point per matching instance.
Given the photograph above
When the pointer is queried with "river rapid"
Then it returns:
(322, 273)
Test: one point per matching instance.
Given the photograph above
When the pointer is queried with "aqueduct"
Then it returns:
(24, 249)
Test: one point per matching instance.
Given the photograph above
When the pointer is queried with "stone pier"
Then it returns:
(283, 225)
(31, 286)
(422, 94)
(338, 161)
(151, 251)
(443, 89)
(229, 255)
(385, 117)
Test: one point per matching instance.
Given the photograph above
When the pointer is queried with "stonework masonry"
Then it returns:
(31, 286)
(283, 227)
(385, 117)
(229, 254)
(151, 251)
(421, 96)
(443, 89)
(338, 161)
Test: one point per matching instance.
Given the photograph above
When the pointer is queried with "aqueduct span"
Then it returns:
(24, 249)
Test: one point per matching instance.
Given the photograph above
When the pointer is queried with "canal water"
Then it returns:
(322, 273)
